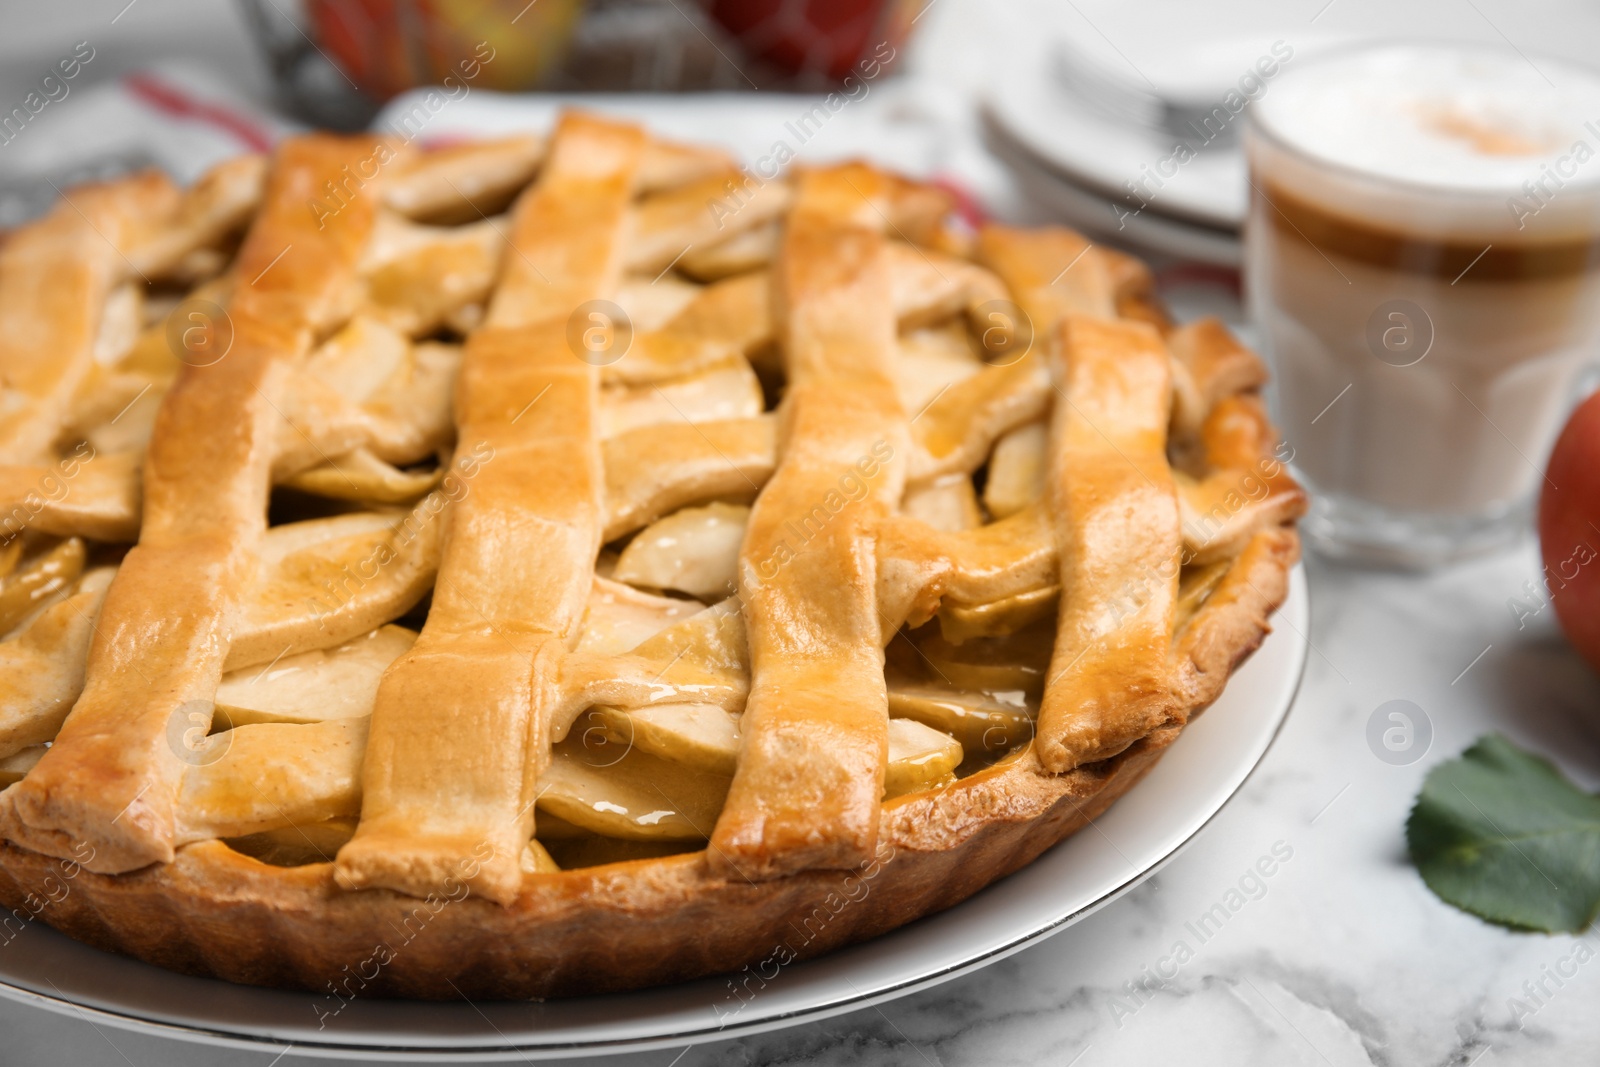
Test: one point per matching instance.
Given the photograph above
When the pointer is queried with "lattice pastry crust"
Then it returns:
(568, 564)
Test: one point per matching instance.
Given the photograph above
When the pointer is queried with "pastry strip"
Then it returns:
(811, 763)
(165, 627)
(461, 724)
(1117, 537)
(1051, 273)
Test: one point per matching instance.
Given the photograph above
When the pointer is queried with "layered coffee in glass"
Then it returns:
(1423, 259)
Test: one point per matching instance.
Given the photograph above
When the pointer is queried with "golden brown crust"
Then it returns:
(814, 736)
(217, 913)
(1234, 621)
(1118, 541)
(461, 721)
(111, 775)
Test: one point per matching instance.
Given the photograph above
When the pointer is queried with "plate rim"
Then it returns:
(1023, 80)
(1299, 595)
(1153, 232)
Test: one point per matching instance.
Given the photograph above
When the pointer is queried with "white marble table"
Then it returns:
(1340, 957)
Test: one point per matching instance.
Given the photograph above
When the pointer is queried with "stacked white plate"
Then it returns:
(1143, 152)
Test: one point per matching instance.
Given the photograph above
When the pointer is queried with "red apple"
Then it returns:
(1569, 529)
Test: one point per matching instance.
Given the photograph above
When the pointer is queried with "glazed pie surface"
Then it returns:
(566, 563)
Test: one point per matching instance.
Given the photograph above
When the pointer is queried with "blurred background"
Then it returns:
(1035, 109)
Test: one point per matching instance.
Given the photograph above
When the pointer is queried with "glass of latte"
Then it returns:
(1422, 256)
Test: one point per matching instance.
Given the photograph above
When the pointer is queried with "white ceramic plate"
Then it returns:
(1142, 831)
(1032, 106)
(1098, 216)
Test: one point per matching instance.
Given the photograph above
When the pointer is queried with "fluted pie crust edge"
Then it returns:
(217, 913)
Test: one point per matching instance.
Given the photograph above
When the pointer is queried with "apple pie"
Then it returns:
(550, 565)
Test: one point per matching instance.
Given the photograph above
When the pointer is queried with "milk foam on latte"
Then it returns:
(1422, 252)
(1457, 118)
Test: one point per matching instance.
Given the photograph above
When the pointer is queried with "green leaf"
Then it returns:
(1501, 833)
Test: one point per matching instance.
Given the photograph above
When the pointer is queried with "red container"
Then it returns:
(833, 38)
